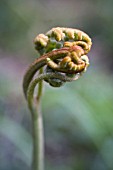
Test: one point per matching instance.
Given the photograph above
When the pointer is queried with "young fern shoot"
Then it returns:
(63, 58)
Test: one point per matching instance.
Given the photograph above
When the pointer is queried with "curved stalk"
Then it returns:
(37, 131)
(30, 92)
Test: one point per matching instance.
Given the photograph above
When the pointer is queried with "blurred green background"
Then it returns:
(78, 118)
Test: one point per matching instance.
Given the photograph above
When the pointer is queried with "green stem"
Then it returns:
(38, 140)
(37, 130)
(37, 122)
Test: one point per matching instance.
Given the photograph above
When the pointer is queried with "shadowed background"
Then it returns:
(78, 117)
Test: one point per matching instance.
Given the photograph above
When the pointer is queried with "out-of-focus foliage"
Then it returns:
(78, 118)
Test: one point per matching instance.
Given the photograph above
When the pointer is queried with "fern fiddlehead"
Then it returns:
(63, 55)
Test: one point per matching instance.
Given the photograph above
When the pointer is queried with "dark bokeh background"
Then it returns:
(78, 118)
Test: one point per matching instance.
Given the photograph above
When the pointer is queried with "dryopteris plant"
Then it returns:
(62, 59)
